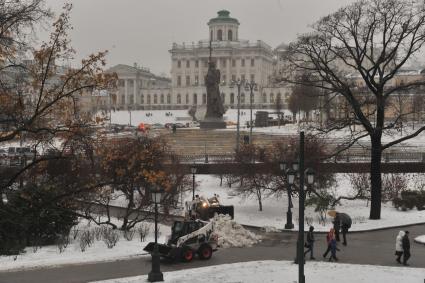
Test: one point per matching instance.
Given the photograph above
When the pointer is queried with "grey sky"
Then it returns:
(143, 31)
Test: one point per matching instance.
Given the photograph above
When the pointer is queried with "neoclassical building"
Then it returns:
(235, 58)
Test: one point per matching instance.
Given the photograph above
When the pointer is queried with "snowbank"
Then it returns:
(287, 272)
(232, 234)
(420, 239)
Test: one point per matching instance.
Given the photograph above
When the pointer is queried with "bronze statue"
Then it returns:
(215, 108)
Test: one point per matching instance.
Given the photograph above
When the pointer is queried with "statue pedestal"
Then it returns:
(212, 123)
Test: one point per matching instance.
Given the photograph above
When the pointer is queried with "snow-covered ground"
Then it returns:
(230, 234)
(287, 272)
(420, 239)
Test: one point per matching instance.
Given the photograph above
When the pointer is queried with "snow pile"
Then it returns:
(420, 239)
(270, 229)
(232, 234)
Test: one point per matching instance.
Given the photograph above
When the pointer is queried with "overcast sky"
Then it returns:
(143, 31)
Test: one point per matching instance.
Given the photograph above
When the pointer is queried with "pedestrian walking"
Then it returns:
(406, 247)
(342, 223)
(310, 243)
(329, 237)
(334, 248)
(399, 246)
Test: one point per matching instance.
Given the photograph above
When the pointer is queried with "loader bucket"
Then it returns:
(163, 250)
(222, 209)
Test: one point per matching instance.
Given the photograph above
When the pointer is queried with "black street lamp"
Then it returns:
(156, 275)
(193, 170)
(290, 177)
(250, 86)
(310, 180)
(238, 83)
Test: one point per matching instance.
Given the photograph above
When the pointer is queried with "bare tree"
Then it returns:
(355, 54)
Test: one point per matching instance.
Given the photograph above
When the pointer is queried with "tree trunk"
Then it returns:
(375, 177)
(260, 203)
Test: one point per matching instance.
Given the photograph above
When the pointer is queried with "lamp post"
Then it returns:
(310, 180)
(156, 275)
(193, 170)
(250, 86)
(290, 177)
(238, 83)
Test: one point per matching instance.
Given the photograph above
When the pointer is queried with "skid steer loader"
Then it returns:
(205, 208)
(188, 238)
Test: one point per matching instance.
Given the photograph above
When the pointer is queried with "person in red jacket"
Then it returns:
(329, 237)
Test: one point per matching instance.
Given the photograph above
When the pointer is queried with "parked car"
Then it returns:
(157, 126)
(192, 124)
(180, 125)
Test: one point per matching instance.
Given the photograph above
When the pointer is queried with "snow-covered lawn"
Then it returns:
(274, 210)
(287, 272)
(420, 239)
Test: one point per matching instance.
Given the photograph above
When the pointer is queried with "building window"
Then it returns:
(242, 62)
(130, 83)
(252, 62)
(155, 99)
(179, 64)
(264, 97)
(123, 99)
(232, 98)
(219, 35)
(242, 98)
(195, 99)
(187, 98)
(196, 63)
(252, 78)
(223, 63)
(142, 99)
(223, 97)
(179, 99)
(187, 80)
(162, 99)
(230, 35)
(206, 63)
(196, 80)
(179, 80)
(233, 78)
(204, 98)
(223, 81)
(242, 77)
(233, 63)
(149, 99)
(131, 99)
(271, 97)
(121, 83)
(168, 98)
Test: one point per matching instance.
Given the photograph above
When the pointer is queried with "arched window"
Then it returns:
(242, 98)
(142, 99)
(149, 99)
(179, 99)
(219, 35)
(155, 99)
(168, 98)
(230, 35)
(187, 98)
(232, 98)
(204, 98)
(195, 99)
(264, 97)
(271, 97)
(162, 98)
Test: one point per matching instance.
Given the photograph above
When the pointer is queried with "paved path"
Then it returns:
(363, 248)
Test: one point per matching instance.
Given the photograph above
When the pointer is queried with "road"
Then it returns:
(375, 247)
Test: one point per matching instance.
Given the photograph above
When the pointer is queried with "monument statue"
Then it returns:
(215, 109)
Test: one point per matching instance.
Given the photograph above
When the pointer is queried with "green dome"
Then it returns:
(223, 17)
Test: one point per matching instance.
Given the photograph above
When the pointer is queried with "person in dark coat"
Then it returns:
(342, 221)
(310, 243)
(406, 247)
